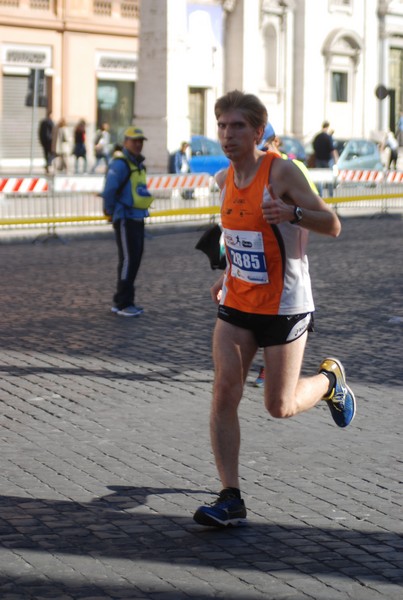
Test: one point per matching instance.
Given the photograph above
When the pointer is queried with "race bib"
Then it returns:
(246, 253)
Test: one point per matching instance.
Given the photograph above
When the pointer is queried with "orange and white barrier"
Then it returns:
(357, 176)
(95, 183)
(23, 185)
(172, 182)
(394, 177)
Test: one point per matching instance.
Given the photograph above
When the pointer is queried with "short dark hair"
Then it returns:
(325, 124)
(253, 109)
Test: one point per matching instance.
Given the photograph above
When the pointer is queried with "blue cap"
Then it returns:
(269, 131)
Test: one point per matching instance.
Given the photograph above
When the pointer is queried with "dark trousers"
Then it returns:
(130, 241)
(48, 156)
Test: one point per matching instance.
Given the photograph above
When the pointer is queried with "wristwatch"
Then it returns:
(297, 215)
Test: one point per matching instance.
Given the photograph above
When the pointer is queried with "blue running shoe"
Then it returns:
(228, 509)
(341, 400)
(259, 381)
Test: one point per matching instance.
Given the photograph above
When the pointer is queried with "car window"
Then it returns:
(212, 148)
(196, 146)
(292, 146)
(365, 149)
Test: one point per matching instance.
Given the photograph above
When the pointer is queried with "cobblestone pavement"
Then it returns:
(104, 431)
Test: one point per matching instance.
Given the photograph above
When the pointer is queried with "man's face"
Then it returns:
(237, 137)
(134, 146)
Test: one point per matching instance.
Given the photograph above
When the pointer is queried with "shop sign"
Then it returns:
(33, 57)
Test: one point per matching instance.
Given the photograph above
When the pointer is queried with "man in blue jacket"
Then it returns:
(126, 201)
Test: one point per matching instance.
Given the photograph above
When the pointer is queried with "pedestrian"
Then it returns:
(325, 153)
(101, 146)
(264, 296)
(80, 149)
(126, 202)
(181, 162)
(391, 143)
(45, 134)
(61, 145)
(399, 132)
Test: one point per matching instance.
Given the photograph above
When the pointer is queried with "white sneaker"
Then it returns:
(114, 309)
(130, 311)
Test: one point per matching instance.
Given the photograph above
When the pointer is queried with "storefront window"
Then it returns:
(115, 102)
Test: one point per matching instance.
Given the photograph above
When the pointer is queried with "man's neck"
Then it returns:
(246, 169)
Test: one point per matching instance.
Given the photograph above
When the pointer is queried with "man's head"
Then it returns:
(253, 110)
(325, 125)
(241, 120)
(133, 140)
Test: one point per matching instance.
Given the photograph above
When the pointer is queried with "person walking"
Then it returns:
(101, 146)
(391, 143)
(264, 296)
(61, 145)
(126, 201)
(181, 163)
(45, 134)
(80, 149)
(399, 131)
(325, 153)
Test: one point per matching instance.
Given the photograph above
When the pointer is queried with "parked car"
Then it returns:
(360, 154)
(339, 145)
(290, 145)
(207, 155)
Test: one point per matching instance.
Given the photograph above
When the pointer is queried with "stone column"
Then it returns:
(161, 95)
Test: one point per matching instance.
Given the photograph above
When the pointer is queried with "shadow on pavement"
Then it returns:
(116, 526)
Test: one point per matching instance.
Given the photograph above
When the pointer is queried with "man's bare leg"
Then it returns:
(233, 351)
(286, 393)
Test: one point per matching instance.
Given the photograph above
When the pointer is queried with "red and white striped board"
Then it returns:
(394, 177)
(23, 185)
(172, 182)
(358, 176)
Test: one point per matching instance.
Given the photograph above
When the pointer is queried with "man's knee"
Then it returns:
(226, 396)
(280, 408)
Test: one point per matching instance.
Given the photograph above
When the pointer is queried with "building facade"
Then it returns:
(163, 63)
(79, 56)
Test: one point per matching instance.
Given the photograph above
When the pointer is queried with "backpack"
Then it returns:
(141, 196)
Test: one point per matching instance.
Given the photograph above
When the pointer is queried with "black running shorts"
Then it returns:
(269, 330)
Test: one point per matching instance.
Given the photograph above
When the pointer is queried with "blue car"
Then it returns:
(207, 155)
(360, 154)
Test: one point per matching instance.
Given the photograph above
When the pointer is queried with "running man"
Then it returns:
(264, 296)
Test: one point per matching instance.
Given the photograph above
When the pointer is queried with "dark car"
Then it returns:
(207, 155)
(290, 145)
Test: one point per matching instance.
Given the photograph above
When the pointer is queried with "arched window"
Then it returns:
(342, 51)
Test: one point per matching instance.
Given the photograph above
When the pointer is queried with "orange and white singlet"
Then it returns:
(267, 267)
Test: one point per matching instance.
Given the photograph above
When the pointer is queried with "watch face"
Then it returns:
(298, 213)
